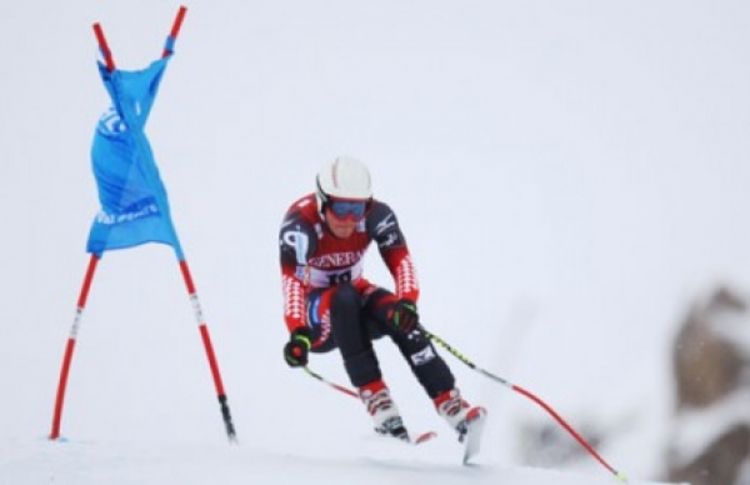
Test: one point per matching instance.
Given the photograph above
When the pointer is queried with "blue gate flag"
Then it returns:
(134, 206)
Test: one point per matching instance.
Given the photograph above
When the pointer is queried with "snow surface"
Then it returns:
(569, 175)
(134, 463)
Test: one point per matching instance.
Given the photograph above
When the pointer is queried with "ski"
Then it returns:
(423, 438)
(471, 435)
(405, 438)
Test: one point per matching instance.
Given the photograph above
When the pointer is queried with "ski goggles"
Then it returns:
(348, 209)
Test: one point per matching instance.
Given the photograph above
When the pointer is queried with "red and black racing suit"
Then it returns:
(324, 290)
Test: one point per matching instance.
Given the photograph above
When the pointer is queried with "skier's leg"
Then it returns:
(343, 305)
(351, 336)
(430, 369)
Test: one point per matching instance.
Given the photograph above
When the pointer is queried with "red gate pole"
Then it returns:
(84, 293)
(65, 369)
(190, 285)
(104, 47)
(210, 354)
(168, 49)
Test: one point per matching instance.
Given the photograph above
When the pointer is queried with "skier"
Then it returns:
(328, 303)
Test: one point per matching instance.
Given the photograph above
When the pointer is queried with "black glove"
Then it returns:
(295, 351)
(404, 316)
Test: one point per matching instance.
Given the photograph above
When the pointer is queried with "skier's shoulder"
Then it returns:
(380, 218)
(300, 223)
(302, 211)
(299, 230)
(305, 207)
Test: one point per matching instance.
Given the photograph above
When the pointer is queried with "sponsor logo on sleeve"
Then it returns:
(389, 240)
(385, 224)
(299, 241)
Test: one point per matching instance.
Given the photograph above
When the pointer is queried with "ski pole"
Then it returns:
(621, 476)
(419, 439)
(338, 387)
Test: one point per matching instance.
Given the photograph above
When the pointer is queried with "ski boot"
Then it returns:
(468, 421)
(383, 410)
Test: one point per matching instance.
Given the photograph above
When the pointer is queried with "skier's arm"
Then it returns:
(297, 242)
(384, 229)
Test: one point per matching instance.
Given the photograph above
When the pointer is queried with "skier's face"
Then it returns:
(341, 228)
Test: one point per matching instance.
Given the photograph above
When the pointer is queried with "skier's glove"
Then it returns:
(295, 351)
(404, 316)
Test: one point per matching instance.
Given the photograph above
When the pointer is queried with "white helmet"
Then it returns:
(345, 178)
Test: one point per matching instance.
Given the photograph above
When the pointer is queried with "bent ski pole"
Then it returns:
(338, 387)
(621, 476)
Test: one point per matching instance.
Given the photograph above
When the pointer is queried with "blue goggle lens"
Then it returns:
(345, 209)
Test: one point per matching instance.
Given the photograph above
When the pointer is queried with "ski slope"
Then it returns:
(569, 177)
(123, 463)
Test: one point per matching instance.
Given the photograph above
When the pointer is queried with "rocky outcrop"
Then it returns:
(710, 441)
